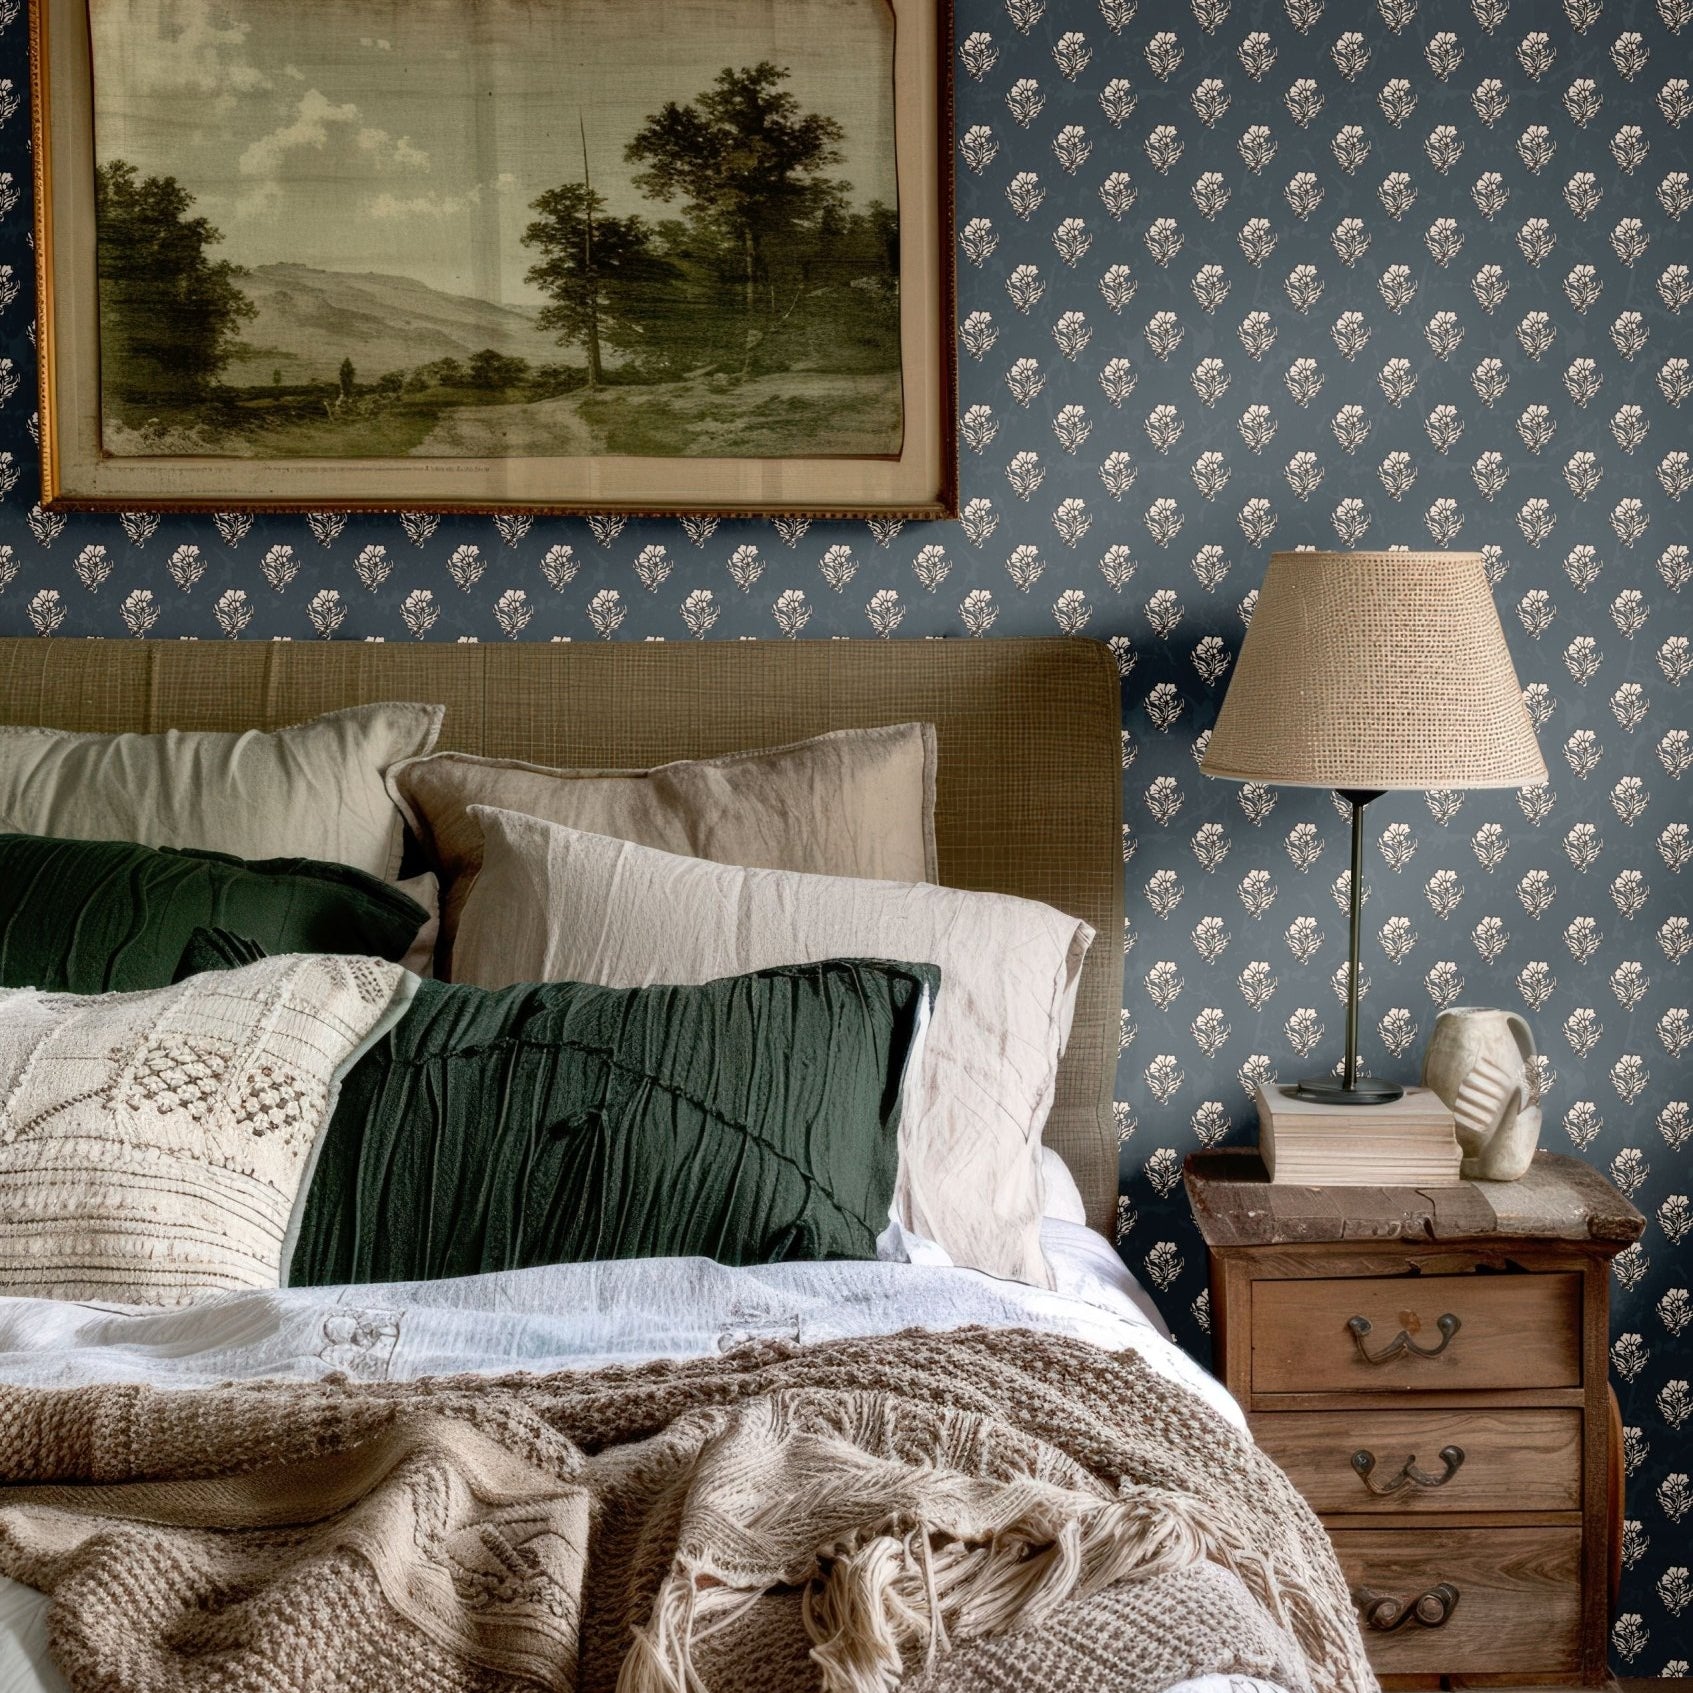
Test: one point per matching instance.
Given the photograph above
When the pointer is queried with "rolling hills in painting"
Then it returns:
(309, 320)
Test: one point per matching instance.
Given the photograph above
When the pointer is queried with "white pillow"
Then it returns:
(1064, 1202)
(153, 1145)
(314, 790)
(553, 903)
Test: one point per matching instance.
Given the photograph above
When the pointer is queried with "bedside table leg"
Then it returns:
(1616, 1502)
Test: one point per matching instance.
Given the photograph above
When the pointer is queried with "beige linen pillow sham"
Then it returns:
(420, 955)
(853, 802)
(553, 903)
(313, 790)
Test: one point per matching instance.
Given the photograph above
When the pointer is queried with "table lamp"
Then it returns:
(1365, 672)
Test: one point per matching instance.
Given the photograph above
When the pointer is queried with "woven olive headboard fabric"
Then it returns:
(1029, 794)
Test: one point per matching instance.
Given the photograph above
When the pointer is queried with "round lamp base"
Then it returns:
(1331, 1090)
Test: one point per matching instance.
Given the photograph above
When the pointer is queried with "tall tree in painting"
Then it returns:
(600, 273)
(169, 315)
(749, 167)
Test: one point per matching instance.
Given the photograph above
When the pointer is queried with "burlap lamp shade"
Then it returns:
(1363, 672)
(1375, 670)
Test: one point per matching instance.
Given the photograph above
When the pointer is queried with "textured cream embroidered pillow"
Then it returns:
(555, 904)
(854, 802)
(311, 791)
(152, 1145)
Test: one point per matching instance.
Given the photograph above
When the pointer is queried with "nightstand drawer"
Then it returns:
(1369, 1334)
(1398, 1463)
(1481, 1601)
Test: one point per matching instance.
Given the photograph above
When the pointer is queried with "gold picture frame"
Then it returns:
(105, 445)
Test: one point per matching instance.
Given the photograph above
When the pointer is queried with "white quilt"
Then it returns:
(568, 1316)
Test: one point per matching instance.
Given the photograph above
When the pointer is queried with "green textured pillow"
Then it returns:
(216, 949)
(114, 917)
(753, 1120)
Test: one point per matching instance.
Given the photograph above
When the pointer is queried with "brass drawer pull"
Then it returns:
(1383, 1613)
(1402, 1342)
(1364, 1462)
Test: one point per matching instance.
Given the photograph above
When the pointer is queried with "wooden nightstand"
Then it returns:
(1429, 1366)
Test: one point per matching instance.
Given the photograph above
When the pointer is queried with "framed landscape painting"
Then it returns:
(686, 256)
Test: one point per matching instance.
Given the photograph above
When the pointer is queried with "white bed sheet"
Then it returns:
(568, 1316)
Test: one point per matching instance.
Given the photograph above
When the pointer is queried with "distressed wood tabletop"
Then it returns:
(1560, 1198)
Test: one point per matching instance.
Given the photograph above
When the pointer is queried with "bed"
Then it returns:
(1028, 803)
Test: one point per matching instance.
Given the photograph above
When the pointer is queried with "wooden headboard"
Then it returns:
(1029, 794)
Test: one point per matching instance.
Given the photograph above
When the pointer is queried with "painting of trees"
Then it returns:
(169, 315)
(490, 369)
(503, 238)
(748, 168)
(767, 266)
(604, 281)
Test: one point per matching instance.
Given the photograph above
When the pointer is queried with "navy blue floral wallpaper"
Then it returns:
(1234, 274)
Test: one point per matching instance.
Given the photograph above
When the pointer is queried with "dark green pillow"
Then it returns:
(216, 949)
(753, 1120)
(114, 917)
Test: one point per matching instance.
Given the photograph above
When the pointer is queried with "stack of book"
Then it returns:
(1409, 1143)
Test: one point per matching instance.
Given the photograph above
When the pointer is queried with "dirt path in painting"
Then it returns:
(794, 414)
(538, 429)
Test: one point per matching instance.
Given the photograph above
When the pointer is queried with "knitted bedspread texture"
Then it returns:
(964, 1512)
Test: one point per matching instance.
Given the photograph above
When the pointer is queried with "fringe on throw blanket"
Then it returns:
(904, 1504)
(935, 1555)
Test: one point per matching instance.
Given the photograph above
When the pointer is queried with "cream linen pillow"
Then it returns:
(854, 802)
(555, 904)
(311, 791)
(152, 1145)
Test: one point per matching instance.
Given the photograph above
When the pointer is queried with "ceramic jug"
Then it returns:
(1481, 1064)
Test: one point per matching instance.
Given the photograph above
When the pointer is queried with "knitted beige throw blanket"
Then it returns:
(974, 1510)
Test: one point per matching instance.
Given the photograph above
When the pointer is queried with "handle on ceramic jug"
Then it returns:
(1524, 1038)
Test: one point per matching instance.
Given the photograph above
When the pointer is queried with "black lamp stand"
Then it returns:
(1350, 1088)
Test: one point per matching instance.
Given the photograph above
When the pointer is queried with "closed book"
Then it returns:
(1409, 1142)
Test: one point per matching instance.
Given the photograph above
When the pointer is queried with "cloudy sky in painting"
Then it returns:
(410, 136)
